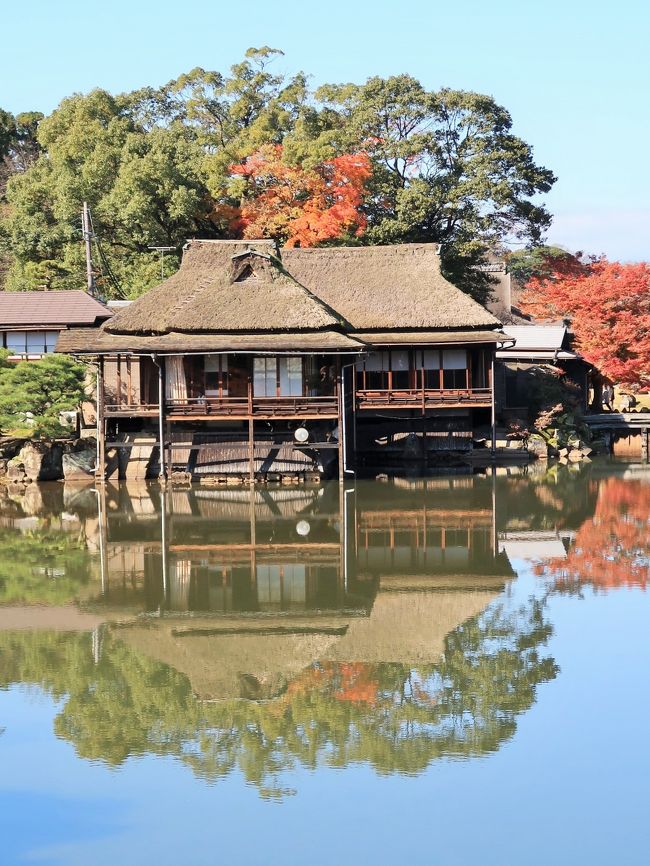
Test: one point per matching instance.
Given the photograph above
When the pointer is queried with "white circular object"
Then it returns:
(301, 434)
(303, 528)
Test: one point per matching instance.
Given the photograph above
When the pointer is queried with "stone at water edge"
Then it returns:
(575, 456)
(42, 460)
(16, 470)
(79, 464)
(538, 447)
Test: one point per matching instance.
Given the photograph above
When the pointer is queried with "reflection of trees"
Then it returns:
(561, 497)
(612, 548)
(393, 716)
(44, 566)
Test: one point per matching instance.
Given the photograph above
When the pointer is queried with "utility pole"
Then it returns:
(87, 236)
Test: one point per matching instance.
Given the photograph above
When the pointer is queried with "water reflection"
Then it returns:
(316, 626)
(611, 548)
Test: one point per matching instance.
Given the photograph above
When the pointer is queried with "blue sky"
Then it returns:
(575, 75)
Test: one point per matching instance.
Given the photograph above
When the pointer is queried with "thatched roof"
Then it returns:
(92, 341)
(226, 286)
(238, 296)
(386, 287)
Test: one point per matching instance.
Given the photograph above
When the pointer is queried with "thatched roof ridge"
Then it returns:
(384, 287)
(226, 287)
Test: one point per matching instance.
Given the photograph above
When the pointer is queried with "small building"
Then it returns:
(533, 348)
(253, 361)
(30, 322)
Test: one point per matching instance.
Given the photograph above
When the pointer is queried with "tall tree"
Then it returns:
(446, 167)
(155, 165)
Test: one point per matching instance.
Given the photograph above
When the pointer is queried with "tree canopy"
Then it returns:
(382, 162)
(35, 393)
(608, 304)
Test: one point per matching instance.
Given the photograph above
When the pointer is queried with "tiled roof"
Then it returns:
(29, 309)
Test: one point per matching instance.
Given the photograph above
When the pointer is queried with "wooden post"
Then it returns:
(161, 416)
(251, 429)
(493, 419)
(251, 450)
(100, 468)
(645, 444)
(339, 389)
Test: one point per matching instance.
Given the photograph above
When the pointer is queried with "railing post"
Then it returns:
(493, 408)
(100, 469)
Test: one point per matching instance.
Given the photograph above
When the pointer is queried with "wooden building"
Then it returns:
(251, 361)
(30, 322)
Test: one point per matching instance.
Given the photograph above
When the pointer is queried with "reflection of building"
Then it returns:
(536, 545)
(228, 551)
(249, 591)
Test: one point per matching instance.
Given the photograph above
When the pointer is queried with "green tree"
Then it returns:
(151, 164)
(538, 261)
(34, 393)
(447, 167)
(155, 166)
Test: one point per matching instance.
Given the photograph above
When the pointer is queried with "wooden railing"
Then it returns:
(232, 407)
(421, 398)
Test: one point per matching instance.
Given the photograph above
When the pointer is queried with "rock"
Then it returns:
(10, 446)
(586, 451)
(43, 461)
(15, 470)
(538, 447)
(574, 456)
(79, 464)
(563, 452)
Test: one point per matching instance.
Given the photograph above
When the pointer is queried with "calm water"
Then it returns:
(445, 671)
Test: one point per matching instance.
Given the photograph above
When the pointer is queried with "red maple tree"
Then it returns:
(608, 304)
(300, 206)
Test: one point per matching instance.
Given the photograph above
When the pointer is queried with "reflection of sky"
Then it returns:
(571, 787)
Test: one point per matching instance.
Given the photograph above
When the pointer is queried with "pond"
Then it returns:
(447, 671)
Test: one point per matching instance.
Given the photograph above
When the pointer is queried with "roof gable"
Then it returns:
(225, 286)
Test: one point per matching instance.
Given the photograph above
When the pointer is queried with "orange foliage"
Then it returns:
(358, 683)
(612, 548)
(609, 307)
(301, 206)
(351, 682)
